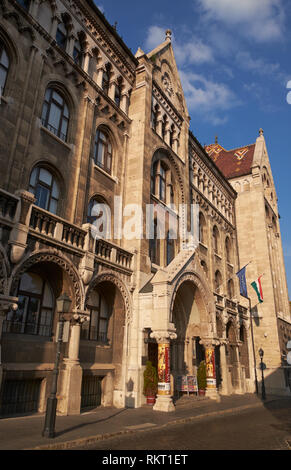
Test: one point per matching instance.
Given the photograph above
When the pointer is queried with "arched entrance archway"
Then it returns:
(192, 321)
(103, 341)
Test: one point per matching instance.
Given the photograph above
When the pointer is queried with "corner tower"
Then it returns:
(259, 242)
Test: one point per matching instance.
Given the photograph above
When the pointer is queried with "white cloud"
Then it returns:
(263, 20)
(206, 97)
(155, 36)
(192, 51)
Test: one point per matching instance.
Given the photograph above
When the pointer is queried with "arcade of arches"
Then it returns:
(224, 345)
(92, 353)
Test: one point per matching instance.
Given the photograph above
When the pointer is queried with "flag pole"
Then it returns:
(253, 343)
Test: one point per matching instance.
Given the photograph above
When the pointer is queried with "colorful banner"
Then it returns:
(210, 368)
(164, 384)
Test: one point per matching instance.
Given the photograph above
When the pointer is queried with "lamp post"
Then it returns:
(261, 353)
(63, 306)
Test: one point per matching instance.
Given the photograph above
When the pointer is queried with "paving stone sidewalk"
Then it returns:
(23, 433)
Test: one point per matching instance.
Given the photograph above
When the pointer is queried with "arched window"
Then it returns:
(106, 78)
(36, 305)
(230, 289)
(45, 189)
(4, 67)
(162, 181)
(62, 35)
(103, 150)
(217, 281)
(97, 328)
(99, 214)
(228, 250)
(202, 228)
(55, 113)
(215, 236)
(170, 247)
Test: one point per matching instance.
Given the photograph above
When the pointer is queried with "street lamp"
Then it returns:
(63, 306)
(261, 353)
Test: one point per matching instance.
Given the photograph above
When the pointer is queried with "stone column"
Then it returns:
(70, 400)
(164, 400)
(223, 368)
(124, 102)
(19, 232)
(86, 61)
(211, 386)
(111, 91)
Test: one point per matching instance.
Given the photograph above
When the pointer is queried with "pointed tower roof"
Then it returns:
(166, 75)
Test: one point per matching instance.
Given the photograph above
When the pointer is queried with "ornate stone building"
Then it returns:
(86, 124)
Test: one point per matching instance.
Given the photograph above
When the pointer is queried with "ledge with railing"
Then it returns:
(26, 219)
(47, 225)
(108, 251)
(8, 205)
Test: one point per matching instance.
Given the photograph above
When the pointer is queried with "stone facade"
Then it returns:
(84, 122)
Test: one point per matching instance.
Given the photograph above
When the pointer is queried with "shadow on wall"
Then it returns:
(129, 399)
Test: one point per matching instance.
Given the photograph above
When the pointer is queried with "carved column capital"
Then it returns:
(163, 336)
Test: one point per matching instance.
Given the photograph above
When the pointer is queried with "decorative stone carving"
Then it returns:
(51, 256)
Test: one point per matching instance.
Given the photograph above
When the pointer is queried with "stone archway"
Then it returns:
(46, 258)
(192, 316)
(113, 354)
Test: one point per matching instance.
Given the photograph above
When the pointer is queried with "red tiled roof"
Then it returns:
(232, 163)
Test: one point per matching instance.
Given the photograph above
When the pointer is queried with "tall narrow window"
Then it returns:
(162, 183)
(45, 189)
(106, 79)
(228, 250)
(230, 289)
(77, 53)
(172, 131)
(55, 114)
(4, 66)
(99, 214)
(164, 123)
(154, 117)
(36, 303)
(117, 95)
(170, 248)
(215, 236)
(103, 151)
(62, 36)
(97, 328)
(154, 245)
(202, 226)
(217, 281)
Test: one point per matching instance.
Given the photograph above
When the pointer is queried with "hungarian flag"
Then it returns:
(257, 285)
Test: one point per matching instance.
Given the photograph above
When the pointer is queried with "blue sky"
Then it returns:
(234, 59)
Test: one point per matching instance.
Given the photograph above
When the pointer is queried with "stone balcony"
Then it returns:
(230, 306)
(24, 220)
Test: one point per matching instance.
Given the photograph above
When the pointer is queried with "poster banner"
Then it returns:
(164, 384)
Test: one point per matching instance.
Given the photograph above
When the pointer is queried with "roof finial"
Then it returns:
(216, 139)
(261, 132)
(169, 35)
